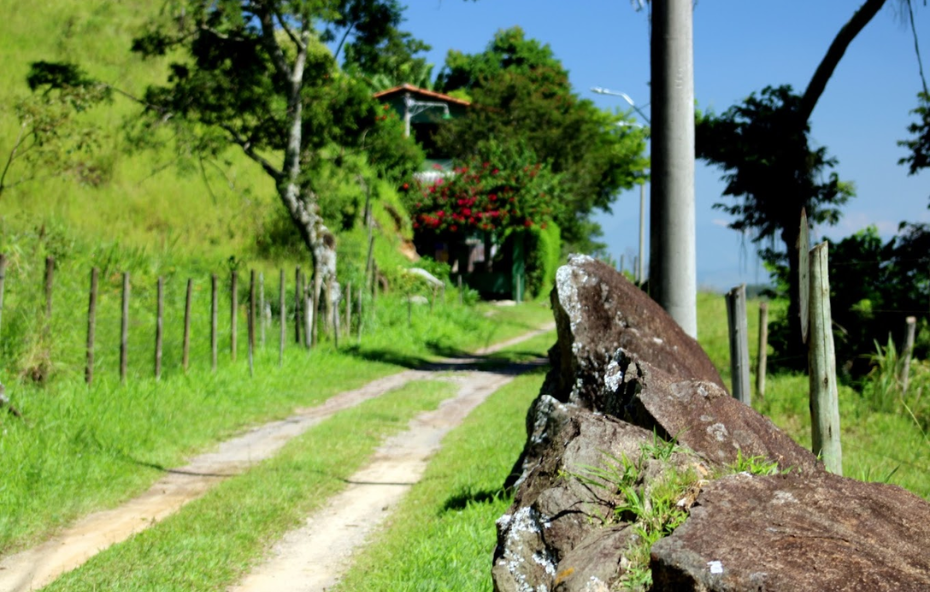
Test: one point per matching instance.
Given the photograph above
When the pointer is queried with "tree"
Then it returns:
(919, 145)
(520, 93)
(53, 139)
(255, 74)
(769, 166)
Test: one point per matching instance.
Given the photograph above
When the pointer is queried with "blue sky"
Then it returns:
(740, 46)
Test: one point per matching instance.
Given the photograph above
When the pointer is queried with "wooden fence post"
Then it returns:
(461, 296)
(825, 413)
(761, 366)
(298, 303)
(804, 270)
(186, 356)
(311, 317)
(361, 314)
(261, 307)
(336, 324)
(348, 332)
(282, 312)
(2, 282)
(739, 343)
(214, 313)
(124, 331)
(251, 323)
(159, 325)
(91, 327)
(908, 350)
(49, 280)
(233, 306)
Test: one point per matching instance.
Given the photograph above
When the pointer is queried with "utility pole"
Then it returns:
(640, 271)
(672, 261)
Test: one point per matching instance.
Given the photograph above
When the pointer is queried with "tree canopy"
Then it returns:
(257, 75)
(520, 93)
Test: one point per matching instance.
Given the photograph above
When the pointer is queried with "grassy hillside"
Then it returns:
(148, 201)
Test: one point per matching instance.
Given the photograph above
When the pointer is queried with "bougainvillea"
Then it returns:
(497, 189)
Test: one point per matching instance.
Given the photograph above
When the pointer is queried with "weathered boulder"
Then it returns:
(625, 379)
(798, 532)
(563, 513)
(597, 312)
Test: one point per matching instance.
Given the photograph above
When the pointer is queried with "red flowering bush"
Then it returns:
(498, 189)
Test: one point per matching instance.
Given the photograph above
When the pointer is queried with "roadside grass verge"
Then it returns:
(877, 446)
(85, 449)
(442, 535)
(213, 540)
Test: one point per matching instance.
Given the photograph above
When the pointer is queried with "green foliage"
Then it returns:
(652, 509)
(54, 139)
(919, 144)
(772, 174)
(874, 286)
(763, 149)
(754, 465)
(883, 388)
(543, 257)
(521, 94)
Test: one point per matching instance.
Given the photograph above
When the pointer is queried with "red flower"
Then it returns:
(528, 223)
(385, 107)
(492, 197)
(466, 211)
(406, 186)
(453, 228)
(441, 213)
(495, 171)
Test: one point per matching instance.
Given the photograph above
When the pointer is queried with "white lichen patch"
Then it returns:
(718, 431)
(707, 418)
(784, 497)
(613, 376)
(546, 563)
(658, 341)
(716, 567)
(525, 527)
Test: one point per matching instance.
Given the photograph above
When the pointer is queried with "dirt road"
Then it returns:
(36, 567)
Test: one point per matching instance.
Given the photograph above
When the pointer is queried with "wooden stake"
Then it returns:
(361, 316)
(124, 331)
(159, 326)
(298, 303)
(261, 307)
(804, 267)
(825, 412)
(908, 350)
(251, 323)
(761, 367)
(233, 308)
(91, 327)
(282, 312)
(2, 282)
(336, 324)
(49, 280)
(214, 313)
(348, 309)
(461, 293)
(311, 318)
(186, 356)
(739, 343)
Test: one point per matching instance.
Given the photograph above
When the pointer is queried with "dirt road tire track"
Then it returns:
(38, 566)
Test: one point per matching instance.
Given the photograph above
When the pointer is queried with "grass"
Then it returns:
(884, 446)
(442, 535)
(215, 539)
(87, 448)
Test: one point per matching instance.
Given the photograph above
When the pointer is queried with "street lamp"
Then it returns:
(640, 272)
(625, 97)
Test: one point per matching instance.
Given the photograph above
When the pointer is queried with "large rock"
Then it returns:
(562, 533)
(624, 375)
(798, 532)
